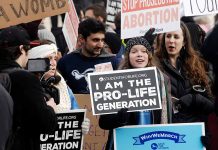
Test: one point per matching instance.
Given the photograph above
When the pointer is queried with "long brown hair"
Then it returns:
(193, 64)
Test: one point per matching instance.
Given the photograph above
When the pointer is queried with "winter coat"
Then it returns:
(32, 116)
(6, 116)
(194, 106)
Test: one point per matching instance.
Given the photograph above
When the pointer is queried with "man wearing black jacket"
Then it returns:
(32, 114)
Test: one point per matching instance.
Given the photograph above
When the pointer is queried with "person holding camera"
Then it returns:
(53, 82)
(32, 114)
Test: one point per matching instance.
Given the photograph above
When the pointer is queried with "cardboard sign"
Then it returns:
(200, 7)
(135, 89)
(96, 138)
(68, 135)
(13, 12)
(138, 16)
(184, 136)
(113, 7)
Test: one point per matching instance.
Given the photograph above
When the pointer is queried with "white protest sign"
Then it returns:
(137, 16)
(103, 67)
(69, 34)
(113, 7)
(200, 7)
(135, 89)
(68, 134)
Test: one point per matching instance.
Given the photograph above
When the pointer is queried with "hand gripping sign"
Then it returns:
(135, 89)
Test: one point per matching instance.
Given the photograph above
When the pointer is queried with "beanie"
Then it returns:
(138, 41)
(14, 36)
(42, 51)
(45, 34)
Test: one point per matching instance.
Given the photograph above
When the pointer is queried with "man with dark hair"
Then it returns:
(32, 114)
(75, 66)
(99, 13)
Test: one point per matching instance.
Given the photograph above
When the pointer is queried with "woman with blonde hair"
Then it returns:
(66, 97)
(138, 54)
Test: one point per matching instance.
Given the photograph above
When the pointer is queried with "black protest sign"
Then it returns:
(14, 12)
(113, 7)
(68, 133)
(135, 89)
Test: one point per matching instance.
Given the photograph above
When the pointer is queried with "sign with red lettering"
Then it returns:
(69, 33)
(73, 17)
(13, 12)
(137, 16)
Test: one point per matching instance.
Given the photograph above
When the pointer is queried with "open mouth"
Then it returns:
(140, 60)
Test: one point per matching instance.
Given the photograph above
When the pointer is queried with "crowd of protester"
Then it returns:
(187, 71)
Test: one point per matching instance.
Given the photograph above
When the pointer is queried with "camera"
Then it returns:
(39, 66)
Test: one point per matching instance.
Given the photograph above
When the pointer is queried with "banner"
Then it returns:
(73, 17)
(135, 89)
(113, 7)
(68, 135)
(200, 7)
(157, 137)
(138, 16)
(13, 12)
(69, 33)
(96, 138)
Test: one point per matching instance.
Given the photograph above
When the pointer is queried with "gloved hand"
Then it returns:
(123, 116)
(184, 102)
(85, 126)
(149, 36)
(205, 140)
(196, 102)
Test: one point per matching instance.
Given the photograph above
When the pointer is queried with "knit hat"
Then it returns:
(14, 36)
(42, 51)
(113, 41)
(45, 34)
(138, 41)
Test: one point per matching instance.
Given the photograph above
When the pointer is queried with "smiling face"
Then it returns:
(138, 56)
(53, 65)
(93, 44)
(174, 41)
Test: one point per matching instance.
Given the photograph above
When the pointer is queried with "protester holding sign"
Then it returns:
(67, 100)
(189, 81)
(138, 55)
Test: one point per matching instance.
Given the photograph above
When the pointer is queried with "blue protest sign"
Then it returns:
(157, 137)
